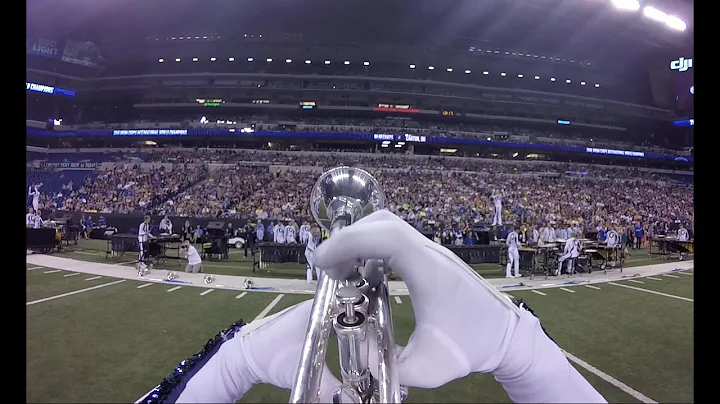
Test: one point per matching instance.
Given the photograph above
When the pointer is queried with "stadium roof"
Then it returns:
(589, 29)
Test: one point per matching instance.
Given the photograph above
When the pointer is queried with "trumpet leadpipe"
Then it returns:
(389, 390)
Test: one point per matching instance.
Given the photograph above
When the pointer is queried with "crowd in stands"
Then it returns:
(422, 190)
(125, 189)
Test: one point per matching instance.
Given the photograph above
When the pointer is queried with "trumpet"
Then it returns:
(355, 309)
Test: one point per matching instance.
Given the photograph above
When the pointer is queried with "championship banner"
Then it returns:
(42, 47)
(71, 165)
(81, 53)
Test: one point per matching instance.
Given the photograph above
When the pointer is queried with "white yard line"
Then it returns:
(73, 293)
(269, 307)
(510, 296)
(567, 290)
(651, 278)
(240, 296)
(93, 278)
(671, 276)
(634, 281)
(651, 291)
(592, 287)
(606, 377)
(144, 285)
(53, 272)
(69, 275)
(397, 300)
(686, 273)
(206, 292)
(174, 289)
(34, 268)
(539, 292)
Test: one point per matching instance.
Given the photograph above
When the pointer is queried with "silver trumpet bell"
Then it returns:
(356, 309)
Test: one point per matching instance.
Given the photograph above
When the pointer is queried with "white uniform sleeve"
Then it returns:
(535, 370)
(222, 379)
(568, 246)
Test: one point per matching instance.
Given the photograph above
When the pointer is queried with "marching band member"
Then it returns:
(304, 233)
(312, 242)
(535, 237)
(30, 218)
(444, 346)
(143, 237)
(612, 239)
(496, 198)
(166, 225)
(37, 220)
(290, 234)
(573, 246)
(683, 234)
(35, 193)
(279, 233)
(458, 236)
(513, 243)
(194, 264)
(260, 231)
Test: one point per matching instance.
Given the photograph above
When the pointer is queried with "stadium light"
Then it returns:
(161, 60)
(431, 67)
(486, 73)
(366, 63)
(520, 76)
(288, 60)
(327, 62)
(597, 85)
(449, 69)
(347, 62)
(654, 14)
(503, 74)
(412, 66)
(195, 59)
(537, 77)
(568, 81)
(307, 62)
(231, 59)
(212, 59)
(675, 23)
(177, 59)
(250, 59)
(582, 83)
(467, 71)
(268, 60)
(552, 78)
(629, 5)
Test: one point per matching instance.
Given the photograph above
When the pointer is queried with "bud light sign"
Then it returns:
(681, 65)
(42, 47)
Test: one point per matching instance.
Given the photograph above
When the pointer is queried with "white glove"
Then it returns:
(462, 323)
(264, 351)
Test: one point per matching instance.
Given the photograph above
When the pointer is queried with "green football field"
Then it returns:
(114, 343)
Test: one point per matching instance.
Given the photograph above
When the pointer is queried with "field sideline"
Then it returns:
(115, 339)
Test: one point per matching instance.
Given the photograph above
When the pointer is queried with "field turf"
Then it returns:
(114, 343)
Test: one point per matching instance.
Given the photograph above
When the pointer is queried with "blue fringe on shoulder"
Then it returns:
(523, 305)
(172, 386)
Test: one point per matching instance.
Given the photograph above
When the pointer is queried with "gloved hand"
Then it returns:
(264, 351)
(462, 323)
(272, 349)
